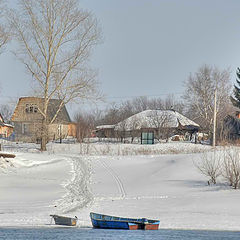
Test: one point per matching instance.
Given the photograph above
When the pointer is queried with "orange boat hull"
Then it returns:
(151, 226)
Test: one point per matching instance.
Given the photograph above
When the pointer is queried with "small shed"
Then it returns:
(105, 131)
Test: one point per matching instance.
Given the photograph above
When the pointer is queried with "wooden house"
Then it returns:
(6, 129)
(27, 120)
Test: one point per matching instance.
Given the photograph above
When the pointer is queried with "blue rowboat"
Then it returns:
(111, 222)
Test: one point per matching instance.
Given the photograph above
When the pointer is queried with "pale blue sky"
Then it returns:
(150, 46)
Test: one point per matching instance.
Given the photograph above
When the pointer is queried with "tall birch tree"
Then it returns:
(55, 40)
(4, 35)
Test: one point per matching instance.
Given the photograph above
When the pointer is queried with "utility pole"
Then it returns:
(214, 118)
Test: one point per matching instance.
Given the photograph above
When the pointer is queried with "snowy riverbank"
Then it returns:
(166, 187)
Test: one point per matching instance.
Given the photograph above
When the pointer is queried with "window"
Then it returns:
(147, 138)
(59, 130)
(24, 128)
(31, 108)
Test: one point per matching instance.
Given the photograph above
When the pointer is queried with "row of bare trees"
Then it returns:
(225, 164)
(197, 102)
(119, 112)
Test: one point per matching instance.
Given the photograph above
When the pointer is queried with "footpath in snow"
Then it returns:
(159, 186)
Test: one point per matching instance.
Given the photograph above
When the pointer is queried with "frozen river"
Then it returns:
(89, 233)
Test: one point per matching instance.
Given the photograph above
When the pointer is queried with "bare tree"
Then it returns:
(135, 128)
(126, 109)
(111, 115)
(55, 41)
(210, 166)
(199, 95)
(144, 103)
(97, 116)
(121, 130)
(4, 34)
(170, 102)
(161, 122)
(85, 125)
(6, 112)
(140, 103)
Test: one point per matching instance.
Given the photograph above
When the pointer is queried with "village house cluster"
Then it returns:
(146, 127)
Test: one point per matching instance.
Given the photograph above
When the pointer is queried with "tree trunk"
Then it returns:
(44, 143)
(44, 136)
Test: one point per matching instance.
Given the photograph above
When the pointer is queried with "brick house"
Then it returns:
(27, 120)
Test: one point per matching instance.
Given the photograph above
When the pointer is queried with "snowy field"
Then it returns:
(157, 182)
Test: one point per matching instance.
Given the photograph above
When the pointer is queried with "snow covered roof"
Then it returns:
(105, 127)
(8, 125)
(3, 124)
(155, 119)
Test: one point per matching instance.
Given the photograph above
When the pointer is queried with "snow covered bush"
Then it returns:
(210, 166)
(224, 163)
(231, 167)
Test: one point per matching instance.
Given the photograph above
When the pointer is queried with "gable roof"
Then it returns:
(3, 124)
(53, 106)
(155, 119)
(1, 118)
(63, 116)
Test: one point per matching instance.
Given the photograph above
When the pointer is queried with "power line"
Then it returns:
(110, 97)
(153, 95)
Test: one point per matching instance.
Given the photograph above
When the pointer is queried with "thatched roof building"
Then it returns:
(151, 119)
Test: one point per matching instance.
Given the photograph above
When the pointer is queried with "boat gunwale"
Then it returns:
(122, 219)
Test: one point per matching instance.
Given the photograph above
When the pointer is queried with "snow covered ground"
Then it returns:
(72, 180)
